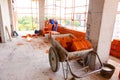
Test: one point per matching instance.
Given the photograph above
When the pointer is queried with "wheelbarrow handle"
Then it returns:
(97, 57)
(83, 75)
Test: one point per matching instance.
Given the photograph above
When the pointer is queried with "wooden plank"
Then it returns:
(8, 33)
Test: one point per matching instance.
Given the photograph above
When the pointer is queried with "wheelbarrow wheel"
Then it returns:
(54, 59)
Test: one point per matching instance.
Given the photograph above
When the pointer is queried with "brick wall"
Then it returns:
(78, 34)
(115, 48)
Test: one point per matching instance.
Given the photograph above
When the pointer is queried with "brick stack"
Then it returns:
(65, 42)
(74, 44)
(78, 34)
(47, 29)
(80, 44)
(115, 48)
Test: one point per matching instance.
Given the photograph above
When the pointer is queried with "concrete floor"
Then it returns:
(24, 60)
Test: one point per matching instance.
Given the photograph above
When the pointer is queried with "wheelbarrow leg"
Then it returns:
(65, 69)
(88, 73)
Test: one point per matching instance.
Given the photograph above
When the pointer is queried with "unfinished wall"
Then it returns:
(1, 28)
(5, 19)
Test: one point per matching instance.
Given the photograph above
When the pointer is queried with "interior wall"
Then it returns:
(107, 27)
(5, 20)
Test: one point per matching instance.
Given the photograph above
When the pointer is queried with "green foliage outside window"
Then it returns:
(76, 23)
(26, 23)
(67, 22)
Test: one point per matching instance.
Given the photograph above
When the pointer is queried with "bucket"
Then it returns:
(107, 71)
(37, 31)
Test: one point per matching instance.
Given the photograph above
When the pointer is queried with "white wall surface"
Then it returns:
(5, 18)
(107, 27)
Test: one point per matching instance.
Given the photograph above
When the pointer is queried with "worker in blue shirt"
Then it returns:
(52, 22)
(56, 25)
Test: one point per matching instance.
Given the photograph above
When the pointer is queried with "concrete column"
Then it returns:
(94, 21)
(5, 20)
(10, 6)
(41, 14)
(100, 24)
(2, 34)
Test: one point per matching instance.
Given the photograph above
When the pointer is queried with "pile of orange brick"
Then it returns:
(115, 48)
(78, 34)
(30, 35)
(47, 29)
(74, 44)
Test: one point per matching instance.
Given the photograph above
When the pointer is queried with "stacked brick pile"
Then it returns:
(74, 44)
(47, 29)
(65, 42)
(115, 48)
(78, 34)
(80, 44)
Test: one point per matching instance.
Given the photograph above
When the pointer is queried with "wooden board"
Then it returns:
(8, 33)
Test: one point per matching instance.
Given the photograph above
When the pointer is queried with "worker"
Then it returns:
(51, 21)
(56, 25)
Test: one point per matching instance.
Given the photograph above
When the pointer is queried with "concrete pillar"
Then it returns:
(41, 14)
(100, 24)
(5, 20)
(94, 21)
(10, 6)
(2, 32)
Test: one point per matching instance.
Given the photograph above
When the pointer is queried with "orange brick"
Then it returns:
(116, 42)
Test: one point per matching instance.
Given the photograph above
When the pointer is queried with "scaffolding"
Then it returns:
(29, 8)
(70, 14)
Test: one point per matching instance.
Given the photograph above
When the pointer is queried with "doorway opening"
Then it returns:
(26, 16)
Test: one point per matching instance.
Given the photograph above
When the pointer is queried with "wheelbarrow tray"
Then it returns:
(59, 54)
(63, 53)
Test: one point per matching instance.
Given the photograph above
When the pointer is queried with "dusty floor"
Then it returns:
(23, 60)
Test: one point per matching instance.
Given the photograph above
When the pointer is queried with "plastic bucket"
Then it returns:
(107, 71)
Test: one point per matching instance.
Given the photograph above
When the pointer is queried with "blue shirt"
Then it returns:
(56, 24)
(52, 21)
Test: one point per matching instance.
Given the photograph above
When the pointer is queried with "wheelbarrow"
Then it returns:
(58, 54)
